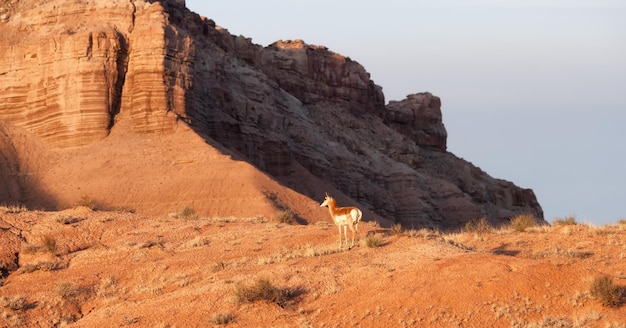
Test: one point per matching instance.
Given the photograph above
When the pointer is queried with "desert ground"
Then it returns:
(86, 268)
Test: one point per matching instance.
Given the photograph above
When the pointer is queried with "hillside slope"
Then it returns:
(81, 268)
(104, 88)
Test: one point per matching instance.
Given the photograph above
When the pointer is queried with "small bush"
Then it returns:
(397, 228)
(67, 219)
(603, 289)
(571, 220)
(16, 303)
(263, 290)
(49, 243)
(13, 209)
(372, 241)
(86, 201)
(479, 226)
(522, 222)
(107, 287)
(223, 318)
(187, 213)
(285, 216)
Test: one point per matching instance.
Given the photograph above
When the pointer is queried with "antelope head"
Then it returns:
(326, 200)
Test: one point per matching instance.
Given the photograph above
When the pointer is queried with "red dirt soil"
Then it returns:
(84, 268)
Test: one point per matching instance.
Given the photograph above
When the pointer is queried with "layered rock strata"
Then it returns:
(71, 75)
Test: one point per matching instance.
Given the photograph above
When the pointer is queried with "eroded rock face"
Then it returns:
(72, 76)
(419, 118)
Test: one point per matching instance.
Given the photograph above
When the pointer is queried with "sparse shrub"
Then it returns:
(263, 290)
(15, 303)
(187, 213)
(603, 289)
(125, 209)
(423, 233)
(43, 266)
(479, 226)
(285, 216)
(67, 219)
(66, 290)
(74, 294)
(198, 242)
(223, 318)
(397, 228)
(30, 249)
(522, 222)
(621, 222)
(570, 220)
(13, 209)
(373, 224)
(373, 241)
(86, 201)
(218, 266)
(49, 243)
(50, 266)
(107, 287)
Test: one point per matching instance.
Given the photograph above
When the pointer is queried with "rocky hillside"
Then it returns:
(146, 105)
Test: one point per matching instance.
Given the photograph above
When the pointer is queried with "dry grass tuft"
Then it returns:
(479, 226)
(522, 222)
(286, 216)
(263, 290)
(108, 287)
(49, 243)
(571, 220)
(373, 241)
(13, 209)
(64, 218)
(187, 213)
(397, 228)
(16, 303)
(223, 318)
(86, 201)
(603, 289)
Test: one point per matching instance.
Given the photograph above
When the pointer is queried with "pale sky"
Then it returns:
(532, 91)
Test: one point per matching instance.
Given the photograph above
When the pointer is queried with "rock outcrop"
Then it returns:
(419, 118)
(72, 77)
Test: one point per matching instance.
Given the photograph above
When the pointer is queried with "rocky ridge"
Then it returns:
(73, 78)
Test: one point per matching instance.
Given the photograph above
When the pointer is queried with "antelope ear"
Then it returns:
(327, 195)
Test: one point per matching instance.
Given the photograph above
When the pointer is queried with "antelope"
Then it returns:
(343, 217)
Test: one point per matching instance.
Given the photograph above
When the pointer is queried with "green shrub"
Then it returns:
(603, 289)
(522, 222)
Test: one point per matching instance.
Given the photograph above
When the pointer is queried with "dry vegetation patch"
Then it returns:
(608, 293)
(264, 290)
(523, 222)
(166, 272)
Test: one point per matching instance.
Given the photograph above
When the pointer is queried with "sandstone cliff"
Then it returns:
(78, 77)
